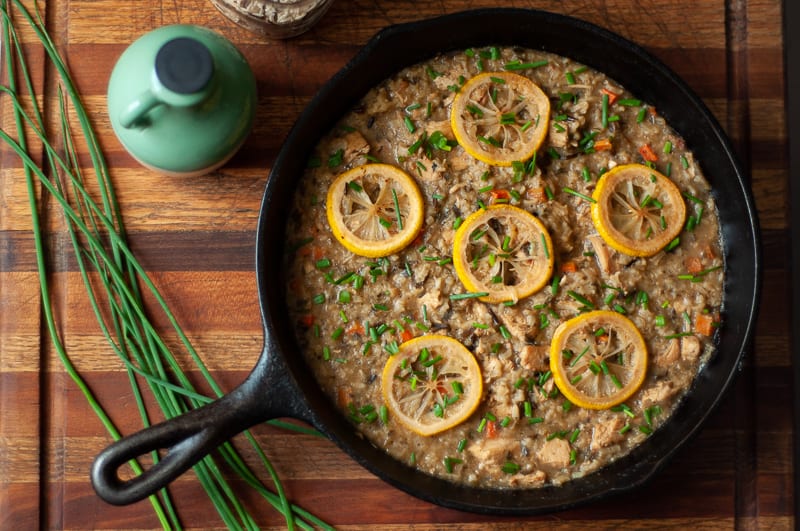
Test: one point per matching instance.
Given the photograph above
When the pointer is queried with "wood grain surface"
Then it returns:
(196, 239)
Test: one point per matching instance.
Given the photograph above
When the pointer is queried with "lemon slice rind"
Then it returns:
(503, 251)
(598, 359)
(500, 117)
(374, 210)
(431, 384)
(637, 210)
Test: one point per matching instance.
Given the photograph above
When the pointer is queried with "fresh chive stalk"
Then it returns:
(101, 250)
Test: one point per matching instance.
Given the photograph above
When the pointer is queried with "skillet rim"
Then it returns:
(637, 467)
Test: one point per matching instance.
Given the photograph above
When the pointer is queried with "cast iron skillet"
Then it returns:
(281, 385)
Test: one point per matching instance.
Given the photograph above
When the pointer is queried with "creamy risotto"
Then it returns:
(354, 312)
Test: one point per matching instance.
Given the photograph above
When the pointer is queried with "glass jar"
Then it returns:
(277, 19)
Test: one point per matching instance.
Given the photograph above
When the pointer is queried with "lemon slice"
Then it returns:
(432, 384)
(503, 251)
(598, 359)
(500, 117)
(374, 210)
(637, 210)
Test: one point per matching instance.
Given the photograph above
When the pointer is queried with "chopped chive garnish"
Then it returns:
(518, 65)
(604, 112)
(460, 296)
(581, 299)
(578, 194)
(450, 462)
(397, 210)
(336, 158)
(509, 467)
(678, 335)
(673, 244)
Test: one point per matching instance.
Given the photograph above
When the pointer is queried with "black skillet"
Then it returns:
(281, 385)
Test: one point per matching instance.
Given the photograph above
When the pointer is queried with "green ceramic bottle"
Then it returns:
(181, 100)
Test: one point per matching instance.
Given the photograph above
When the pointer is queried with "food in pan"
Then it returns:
(504, 269)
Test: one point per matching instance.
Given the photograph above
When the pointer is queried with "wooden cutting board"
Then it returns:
(196, 239)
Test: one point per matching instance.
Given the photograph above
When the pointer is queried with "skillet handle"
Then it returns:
(188, 438)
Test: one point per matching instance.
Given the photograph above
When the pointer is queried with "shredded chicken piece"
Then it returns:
(534, 357)
(690, 348)
(555, 453)
(658, 393)
(607, 433)
(602, 253)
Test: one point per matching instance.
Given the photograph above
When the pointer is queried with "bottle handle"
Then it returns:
(136, 110)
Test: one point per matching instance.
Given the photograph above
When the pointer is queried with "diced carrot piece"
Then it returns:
(500, 194)
(569, 267)
(537, 194)
(491, 429)
(693, 265)
(704, 324)
(307, 320)
(647, 153)
(406, 335)
(707, 252)
(612, 96)
(356, 328)
(604, 144)
(343, 396)
(603, 338)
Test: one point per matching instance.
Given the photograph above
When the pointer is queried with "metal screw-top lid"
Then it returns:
(184, 65)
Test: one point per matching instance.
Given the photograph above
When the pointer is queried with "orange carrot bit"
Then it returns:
(537, 194)
(356, 328)
(647, 153)
(705, 324)
(406, 335)
(307, 320)
(500, 194)
(491, 429)
(612, 96)
(569, 267)
(693, 265)
(707, 252)
(343, 396)
(603, 338)
(604, 144)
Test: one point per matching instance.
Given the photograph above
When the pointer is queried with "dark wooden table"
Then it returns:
(196, 239)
